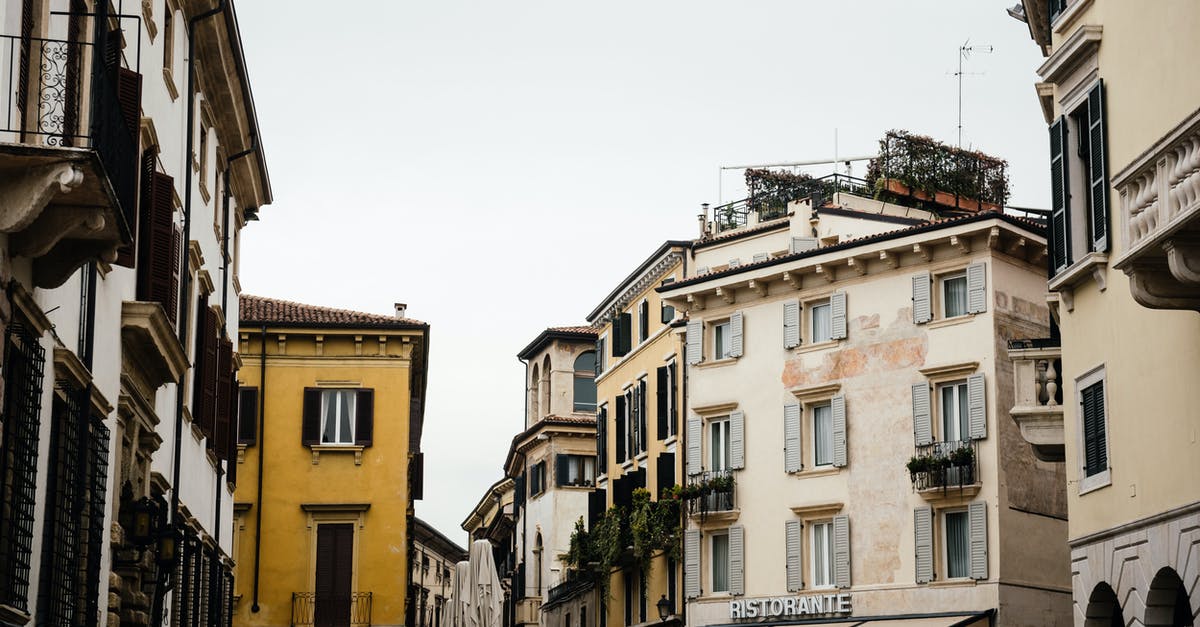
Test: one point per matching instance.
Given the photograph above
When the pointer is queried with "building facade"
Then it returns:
(329, 432)
(1108, 392)
(431, 568)
(845, 455)
(131, 162)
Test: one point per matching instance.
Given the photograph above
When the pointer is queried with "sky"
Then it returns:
(500, 166)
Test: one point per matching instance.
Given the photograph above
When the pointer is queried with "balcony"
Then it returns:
(936, 467)
(68, 153)
(1037, 368)
(1160, 215)
(711, 493)
(354, 610)
(769, 200)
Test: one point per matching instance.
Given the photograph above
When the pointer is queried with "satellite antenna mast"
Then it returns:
(964, 52)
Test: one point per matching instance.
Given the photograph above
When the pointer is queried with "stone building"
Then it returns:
(129, 163)
(431, 567)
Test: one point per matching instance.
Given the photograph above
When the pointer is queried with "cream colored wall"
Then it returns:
(1150, 356)
(743, 249)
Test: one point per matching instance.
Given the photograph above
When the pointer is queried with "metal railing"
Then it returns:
(717, 492)
(354, 610)
(945, 464)
(771, 204)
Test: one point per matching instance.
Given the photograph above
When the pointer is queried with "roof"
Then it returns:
(924, 227)
(659, 252)
(552, 420)
(424, 533)
(722, 238)
(276, 312)
(574, 333)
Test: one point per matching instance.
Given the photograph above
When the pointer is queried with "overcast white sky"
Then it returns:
(500, 166)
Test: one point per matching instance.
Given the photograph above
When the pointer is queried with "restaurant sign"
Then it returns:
(808, 605)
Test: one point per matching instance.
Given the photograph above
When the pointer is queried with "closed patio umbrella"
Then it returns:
(488, 602)
(460, 596)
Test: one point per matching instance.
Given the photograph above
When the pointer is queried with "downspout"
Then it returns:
(519, 595)
(683, 438)
(262, 449)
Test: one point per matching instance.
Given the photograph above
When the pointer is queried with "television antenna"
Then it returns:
(964, 53)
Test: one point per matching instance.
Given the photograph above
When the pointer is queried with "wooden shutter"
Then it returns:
(791, 323)
(622, 327)
(737, 439)
(695, 436)
(923, 542)
(159, 252)
(212, 350)
(662, 406)
(602, 440)
(792, 547)
(562, 470)
(129, 94)
(976, 288)
(1098, 151)
(127, 255)
(735, 334)
(977, 406)
(335, 560)
(620, 417)
(641, 416)
(1060, 197)
(841, 551)
(310, 428)
(695, 340)
(1095, 445)
(248, 416)
(837, 410)
(222, 414)
(737, 560)
(643, 321)
(791, 438)
(837, 315)
(666, 472)
(921, 298)
(519, 492)
(598, 364)
(691, 563)
(364, 417)
(922, 417)
(674, 400)
(977, 517)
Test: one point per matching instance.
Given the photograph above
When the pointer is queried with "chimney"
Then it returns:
(703, 218)
(401, 309)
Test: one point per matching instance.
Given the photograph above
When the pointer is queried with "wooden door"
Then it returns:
(335, 560)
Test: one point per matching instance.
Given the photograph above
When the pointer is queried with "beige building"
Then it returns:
(847, 445)
(431, 567)
(1119, 92)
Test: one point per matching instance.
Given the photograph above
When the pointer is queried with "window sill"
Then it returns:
(964, 582)
(819, 346)
(950, 322)
(717, 363)
(1095, 482)
(169, 79)
(817, 471)
(10, 615)
(1091, 265)
(318, 449)
(670, 440)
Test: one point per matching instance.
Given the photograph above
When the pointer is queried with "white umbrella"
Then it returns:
(460, 596)
(487, 603)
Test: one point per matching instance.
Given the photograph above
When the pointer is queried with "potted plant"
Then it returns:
(962, 456)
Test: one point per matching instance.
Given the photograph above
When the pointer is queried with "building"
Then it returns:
(492, 519)
(131, 161)
(846, 376)
(329, 434)
(639, 394)
(431, 567)
(1108, 393)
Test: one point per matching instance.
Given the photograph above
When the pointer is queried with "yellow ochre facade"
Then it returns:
(325, 534)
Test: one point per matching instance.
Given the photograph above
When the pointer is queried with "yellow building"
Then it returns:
(638, 396)
(329, 452)
(1113, 393)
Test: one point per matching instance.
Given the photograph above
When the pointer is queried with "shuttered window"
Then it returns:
(335, 561)
(719, 543)
(1095, 443)
(695, 437)
(837, 407)
(602, 439)
(921, 298)
(977, 514)
(822, 554)
(622, 334)
(957, 543)
(338, 417)
(662, 396)
(841, 551)
(643, 321)
(976, 288)
(695, 341)
(737, 560)
(621, 420)
(822, 435)
(954, 295)
(1060, 197)
(721, 341)
(247, 416)
(792, 550)
(691, 565)
(1097, 169)
(735, 334)
(791, 323)
(923, 543)
(737, 440)
(791, 438)
(922, 421)
(820, 323)
(159, 245)
(837, 316)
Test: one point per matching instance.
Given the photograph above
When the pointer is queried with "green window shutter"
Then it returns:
(623, 331)
(977, 515)
(695, 340)
(310, 429)
(599, 363)
(791, 323)
(793, 545)
(791, 438)
(562, 470)
(1060, 197)
(691, 563)
(602, 440)
(977, 406)
(737, 560)
(662, 390)
(922, 298)
(922, 418)
(364, 419)
(620, 418)
(841, 551)
(1095, 445)
(923, 541)
(695, 434)
(976, 288)
(837, 407)
(1098, 152)
(837, 315)
(735, 334)
(737, 439)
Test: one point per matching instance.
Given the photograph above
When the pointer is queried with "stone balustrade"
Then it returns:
(1038, 402)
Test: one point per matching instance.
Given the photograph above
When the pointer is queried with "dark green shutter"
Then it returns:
(248, 416)
(619, 417)
(1060, 197)
(562, 470)
(1094, 445)
(310, 429)
(662, 390)
(1098, 152)
(364, 418)
(602, 440)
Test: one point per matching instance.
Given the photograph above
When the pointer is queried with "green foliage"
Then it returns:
(622, 536)
(772, 190)
(925, 164)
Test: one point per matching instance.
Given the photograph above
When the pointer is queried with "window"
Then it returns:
(622, 326)
(23, 373)
(643, 321)
(820, 323)
(952, 406)
(576, 470)
(720, 561)
(718, 445)
(667, 312)
(822, 435)
(247, 416)
(957, 542)
(1093, 438)
(582, 616)
(585, 382)
(822, 562)
(954, 295)
(337, 416)
(1079, 181)
(537, 478)
(721, 341)
(601, 356)
(665, 395)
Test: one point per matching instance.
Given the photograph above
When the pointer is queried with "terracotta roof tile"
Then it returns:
(259, 309)
(579, 329)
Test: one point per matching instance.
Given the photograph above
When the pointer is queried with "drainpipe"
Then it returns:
(683, 438)
(262, 449)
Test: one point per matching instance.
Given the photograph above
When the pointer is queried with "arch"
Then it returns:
(584, 391)
(546, 409)
(1103, 609)
(1167, 602)
(534, 382)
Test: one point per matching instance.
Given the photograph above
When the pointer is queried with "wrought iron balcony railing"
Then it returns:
(310, 611)
(716, 490)
(770, 205)
(945, 464)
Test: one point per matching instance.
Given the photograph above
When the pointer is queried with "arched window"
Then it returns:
(546, 408)
(585, 382)
(534, 386)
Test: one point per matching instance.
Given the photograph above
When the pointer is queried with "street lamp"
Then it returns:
(664, 608)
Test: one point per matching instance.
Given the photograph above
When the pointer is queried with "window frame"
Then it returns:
(943, 280)
(1096, 481)
(712, 561)
(939, 411)
(722, 329)
(812, 423)
(590, 375)
(943, 542)
(537, 478)
(707, 444)
(810, 309)
(813, 536)
(339, 441)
